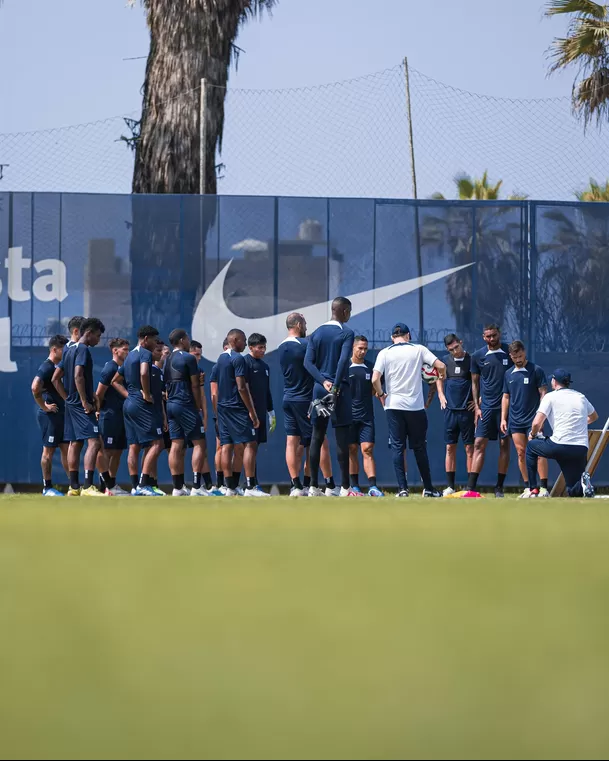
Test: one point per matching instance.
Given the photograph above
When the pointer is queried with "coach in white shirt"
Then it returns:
(404, 403)
(569, 414)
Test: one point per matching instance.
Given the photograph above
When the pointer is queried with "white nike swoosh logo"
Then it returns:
(213, 319)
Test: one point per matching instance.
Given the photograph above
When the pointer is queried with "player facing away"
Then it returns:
(327, 360)
(196, 349)
(74, 329)
(259, 381)
(362, 434)
(489, 366)
(569, 414)
(213, 391)
(524, 386)
(237, 419)
(185, 416)
(143, 418)
(455, 396)
(404, 403)
(157, 389)
(81, 424)
(50, 415)
(111, 422)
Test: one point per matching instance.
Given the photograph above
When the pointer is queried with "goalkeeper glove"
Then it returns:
(272, 421)
(320, 408)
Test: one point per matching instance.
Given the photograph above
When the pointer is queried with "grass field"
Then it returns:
(304, 629)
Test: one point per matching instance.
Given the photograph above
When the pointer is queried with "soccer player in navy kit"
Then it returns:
(327, 360)
(143, 418)
(196, 349)
(455, 396)
(184, 414)
(362, 434)
(81, 424)
(213, 391)
(259, 382)
(50, 414)
(237, 419)
(111, 422)
(489, 366)
(524, 386)
(74, 329)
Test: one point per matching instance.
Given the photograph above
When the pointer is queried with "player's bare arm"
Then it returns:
(376, 385)
(118, 384)
(37, 389)
(538, 422)
(57, 382)
(441, 368)
(79, 381)
(196, 390)
(476, 395)
(244, 393)
(505, 411)
(145, 381)
(592, 417)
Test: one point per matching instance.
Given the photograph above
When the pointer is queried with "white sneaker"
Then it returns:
(116, 491)
(224, 489)
(448, 491)
(526, 494)
(183, 492)
(543, 492)
(332, 492)
(315, 492)
(343, 492)
(200, 492)
(254, 492)
(230, 492)
(294, 492)
(240, 491)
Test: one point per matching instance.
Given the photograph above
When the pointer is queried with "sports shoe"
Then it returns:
(116, 491)
(587, 487)
(183, 492)
(230, 492)
(51, 492)
(158, 492)
(471, 494)
(261, 490)
(254, 492)
(449, 491)
(240, 491)
(374, 491)
(74, 492)
(499, 493)
(431, 493)
(543, 493)
(200, 492)
(354, 492)
(214, 492)
(295, 492)
(335, 492)
(402, 494)
(528, 494)
(344, 492)
(314, 491)
(145, 491)
(93, 491)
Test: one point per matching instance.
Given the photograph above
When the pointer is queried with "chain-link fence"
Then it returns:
(347, 138)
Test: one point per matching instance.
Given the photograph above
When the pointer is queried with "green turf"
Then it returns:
(304, 629)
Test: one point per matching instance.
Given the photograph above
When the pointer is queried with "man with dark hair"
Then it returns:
(111, 422)
(50, 415)
(327, 361)
(196, 349)
(362, 429)
(259, 382)
(404, 404)
(74, 330)
(455, 396)
(143, 420)
(569, 414)
(524, 386)
(237, 419)
(184, 414)
(213, 390)
(489, 366)
(81, 406)
(157, 389)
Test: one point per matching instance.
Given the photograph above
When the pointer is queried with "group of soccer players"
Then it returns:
(152, 398)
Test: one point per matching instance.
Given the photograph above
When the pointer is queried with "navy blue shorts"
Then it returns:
(143, 421)
(112, 429)
(407, 426)
(361, 432)
(184, 422)
(459, 423)
(296, 421)
(342, 414)
(235, 426)
(80, 425)
(51, 426)
(489, 425)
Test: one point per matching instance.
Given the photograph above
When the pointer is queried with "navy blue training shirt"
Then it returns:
(458, 382)
(258, 378)
(298, 384)
(49, 393)
(329, 353)
(131, 370)
(157, 386)
(360, 379)
(78, 356)
(178, 371)
(491, 366)
(112, 399)
(229, 367)
(523, 387)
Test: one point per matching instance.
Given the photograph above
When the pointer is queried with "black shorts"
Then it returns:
(459, 423)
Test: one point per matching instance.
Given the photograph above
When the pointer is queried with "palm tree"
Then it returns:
(586, 46)
(594, 192)
(189, 41)
(477, 189)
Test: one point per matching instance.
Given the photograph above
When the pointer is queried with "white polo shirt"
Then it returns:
(567, 412)
(401, 364)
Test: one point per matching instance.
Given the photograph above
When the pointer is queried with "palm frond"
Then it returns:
(437, 197)
(583, 7)
(465, 187)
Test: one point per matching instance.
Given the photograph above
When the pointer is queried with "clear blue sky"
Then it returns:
(62, 61)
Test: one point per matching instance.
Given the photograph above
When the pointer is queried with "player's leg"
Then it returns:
(46, 465)
(227, 453)
(325, 465)
(202, 484)
(354, 455)
(294, 452)
(133, 465)
(249, 464)
(93, 448)
(504, 463)
(74, 466)
(320, 427)
(396, 424)
(572, 461)
(149, 462)
(176, 467)
(342, 455)
(63, 451)
(450, 465)
(417, 438)
(106, 481)
(520, 440)
(218, 464)
(542, 469)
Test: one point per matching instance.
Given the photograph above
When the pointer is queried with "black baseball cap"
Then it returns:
(400, 329)
(561, 376)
